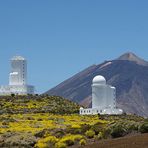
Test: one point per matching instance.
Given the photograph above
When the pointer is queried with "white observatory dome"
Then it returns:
(99, 80)
(18, 58)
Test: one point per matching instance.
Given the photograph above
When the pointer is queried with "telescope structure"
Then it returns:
(103, 98)
(17, 78)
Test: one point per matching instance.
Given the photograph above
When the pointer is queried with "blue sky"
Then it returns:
(62, 37)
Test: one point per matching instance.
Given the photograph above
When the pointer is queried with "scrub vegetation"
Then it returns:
(37, 104)
(54, 122)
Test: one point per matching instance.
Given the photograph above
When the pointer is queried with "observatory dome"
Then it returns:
(18, 58)
(99, 80)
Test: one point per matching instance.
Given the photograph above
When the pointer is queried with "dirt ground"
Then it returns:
(136, 141)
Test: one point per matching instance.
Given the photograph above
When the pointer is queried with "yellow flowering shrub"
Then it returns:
(36, 122)
(90, 134)
(41, 145)
(100, 135)
(71, 139)
(82, 142)
(60, 145)
(46, 142)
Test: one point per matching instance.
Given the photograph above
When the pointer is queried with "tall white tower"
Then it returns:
(17, 78)
(18, 75)
(103, 98)
(99, 92)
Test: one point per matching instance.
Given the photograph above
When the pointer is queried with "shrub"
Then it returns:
(40, 119)
(60, 145)
(46, 142)
(68, 140)
(5, 123)
(40, 134)
(144, 128)
(59, 134)
(72, 130)
(146, 120)
(41, 145)
(132, 127)
(90, 134)
(77, 137)
(12, 95)
(71, 139)
(85, 127)
(82, 142)
(106, 133)
(30, 118)
(100, 135)
(98, 127)
(117, 131)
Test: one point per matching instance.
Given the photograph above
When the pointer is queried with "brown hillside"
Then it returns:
(136, 141)
(128, 73)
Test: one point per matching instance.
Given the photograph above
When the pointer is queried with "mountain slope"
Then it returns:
(128, 73)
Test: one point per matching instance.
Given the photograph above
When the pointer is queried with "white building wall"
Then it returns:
(110, 96)
(17, 79)
(18, 75)
(108, 99)
(16, 89)
(108, 111)
(113, 94)
(98, 96)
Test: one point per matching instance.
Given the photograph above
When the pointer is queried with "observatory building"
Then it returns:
(17, 78)
(103, 98)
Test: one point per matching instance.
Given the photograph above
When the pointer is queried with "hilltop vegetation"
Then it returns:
(37, 104)
(43, 130)
(42, 122)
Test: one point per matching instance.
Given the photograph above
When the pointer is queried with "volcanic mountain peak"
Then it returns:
(128, 73)
(129, 56)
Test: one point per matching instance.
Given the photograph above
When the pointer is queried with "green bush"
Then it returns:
(90, 134)
(118, 131)
(100, 135)
(144, 128)
(146, 120)
(85, 127)
(132, 127)
(40, 134)
(98, 128)
(106, 133)
(73, 130)
(59, 134)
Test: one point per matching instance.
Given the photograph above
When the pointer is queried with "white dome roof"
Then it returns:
(18, 58)
(99, 80)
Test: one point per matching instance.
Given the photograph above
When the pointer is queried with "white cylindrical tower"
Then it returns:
(114, 97)
(18, 75)
(111, 97)
(99, 92)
